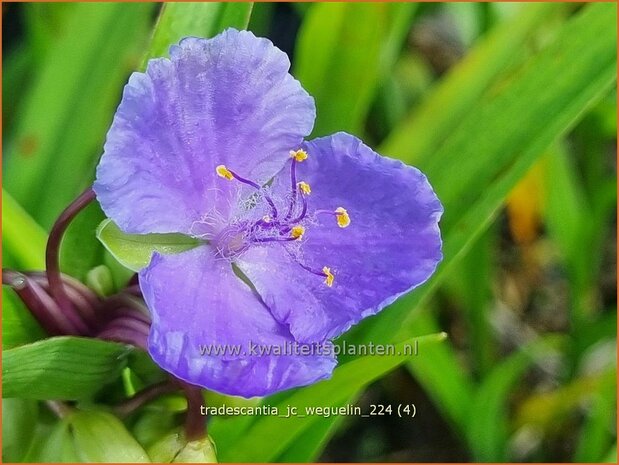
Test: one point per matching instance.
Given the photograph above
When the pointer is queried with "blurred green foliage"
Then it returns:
(510, 109)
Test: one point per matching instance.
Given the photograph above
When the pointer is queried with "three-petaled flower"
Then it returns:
(301, 240)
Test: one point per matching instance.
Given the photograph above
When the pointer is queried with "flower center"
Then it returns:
(278, 225)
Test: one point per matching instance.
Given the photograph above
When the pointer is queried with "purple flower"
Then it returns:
(301, 239)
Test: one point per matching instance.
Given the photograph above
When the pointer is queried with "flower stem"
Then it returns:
(40, 304)
(143, 397)
(195, 424)
(52, 256)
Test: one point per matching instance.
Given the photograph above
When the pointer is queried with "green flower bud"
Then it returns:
(174, 448)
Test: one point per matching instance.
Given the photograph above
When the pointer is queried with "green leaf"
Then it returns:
(255, 443)
(18, 325)
(443, 109)
(566, 203)
(488, 425)
(308, 447)
(63, 121)
(101, 437)
(19, 417)
(100, 280)
(134, 251)
(52, 444)
(338, 57)
(64, 368)
(198, 19)
(80, 250)
(597, 434)
(451, 394)
(22, 237)
(400, 16)
(611, 456)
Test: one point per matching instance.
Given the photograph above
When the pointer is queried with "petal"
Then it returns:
(227, 100)
(196, 300)
(391, 246)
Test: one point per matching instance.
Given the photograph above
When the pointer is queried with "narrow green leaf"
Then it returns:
(16, 71)
(255, 444)
(443, 109)
(198, 19)
(307, 448)
(597, 434)
(488, 427)
(469, 284)
(22, 237)
(101, 437)
(338, 57)
(18, 325)
(43, 24)
(525, 114)
(400, 16)
(134, 251)
(451, 394)
(61, 368)
(63, 122)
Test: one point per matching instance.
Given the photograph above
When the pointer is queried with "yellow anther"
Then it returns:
(297, 232)
(305, 188)
(224, 172)
(298, 155)
(343, 220)
(266, 218)
(328, 276)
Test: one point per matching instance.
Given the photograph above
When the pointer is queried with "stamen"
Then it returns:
(298, 155)
(305, 188)
(303, 210)
(343, 220)
(297, 232)
(341, 215)
(266, 218)
(224, 172)
(329, 277)
(229, 174)
(275, 239)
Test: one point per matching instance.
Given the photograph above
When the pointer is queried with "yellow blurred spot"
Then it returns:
(266, 218)
(343, 220)
(297, 232)
(305, 188)
(298, 155)
(328, 276)
(224, 172)
(525, 205)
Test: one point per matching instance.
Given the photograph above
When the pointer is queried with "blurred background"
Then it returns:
(510, 109)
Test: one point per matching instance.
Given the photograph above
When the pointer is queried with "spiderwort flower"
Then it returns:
(301, 239)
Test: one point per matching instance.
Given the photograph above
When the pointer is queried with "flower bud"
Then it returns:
(174, 448)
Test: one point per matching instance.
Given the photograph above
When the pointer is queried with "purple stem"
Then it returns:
(144, 396)
(52, 320)
(52, 255)
(124, 335)
(195, 423)
(82, 299)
